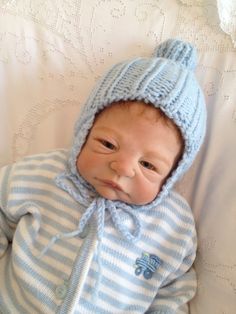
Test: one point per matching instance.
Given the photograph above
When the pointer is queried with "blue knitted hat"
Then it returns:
(166, 81)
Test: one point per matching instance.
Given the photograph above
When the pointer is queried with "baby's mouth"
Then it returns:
(112, 184)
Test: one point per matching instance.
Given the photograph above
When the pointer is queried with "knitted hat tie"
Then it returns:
(95, 210)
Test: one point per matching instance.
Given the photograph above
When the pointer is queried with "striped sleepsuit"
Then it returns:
(60, 254)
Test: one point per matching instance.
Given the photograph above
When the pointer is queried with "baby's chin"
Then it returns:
(114, 194)
(127, 200)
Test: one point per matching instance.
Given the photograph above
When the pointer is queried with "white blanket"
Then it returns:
(226, 13)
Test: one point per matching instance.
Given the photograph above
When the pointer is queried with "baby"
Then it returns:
(100, 229)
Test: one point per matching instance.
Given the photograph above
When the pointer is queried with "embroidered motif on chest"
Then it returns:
(147, 265)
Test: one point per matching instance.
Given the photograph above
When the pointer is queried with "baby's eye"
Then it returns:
(107, 144)
(148, 165)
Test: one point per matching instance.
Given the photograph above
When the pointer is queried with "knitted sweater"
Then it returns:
(56, 259)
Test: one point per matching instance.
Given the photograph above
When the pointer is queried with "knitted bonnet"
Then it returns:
(167, 81)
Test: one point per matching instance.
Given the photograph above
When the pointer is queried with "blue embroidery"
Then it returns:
(147, 264)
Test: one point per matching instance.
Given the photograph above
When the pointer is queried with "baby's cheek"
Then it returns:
(82, 162)
(78, 163)
(87, 163)
(147, 192)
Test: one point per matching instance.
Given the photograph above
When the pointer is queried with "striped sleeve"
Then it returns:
(7, 226)
(12, 179)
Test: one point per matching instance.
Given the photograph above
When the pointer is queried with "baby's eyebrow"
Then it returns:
(159, 157)
(102, 128)
(105, 129)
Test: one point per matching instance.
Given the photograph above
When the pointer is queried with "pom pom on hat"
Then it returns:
(178, 51)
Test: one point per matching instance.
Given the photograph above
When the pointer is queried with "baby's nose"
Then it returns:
(123, 168)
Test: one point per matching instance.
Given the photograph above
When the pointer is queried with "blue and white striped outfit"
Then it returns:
(63, 278)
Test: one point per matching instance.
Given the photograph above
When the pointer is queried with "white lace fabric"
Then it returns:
(227, 14)
(226, 11)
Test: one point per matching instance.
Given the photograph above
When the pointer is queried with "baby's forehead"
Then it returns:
(141, 110)
(137, 108)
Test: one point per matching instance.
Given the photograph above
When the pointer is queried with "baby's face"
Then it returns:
(129, 153)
